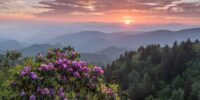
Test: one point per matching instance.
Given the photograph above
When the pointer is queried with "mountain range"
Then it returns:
(96, 46)
(31, 32)
(92, 41)
(9, 45)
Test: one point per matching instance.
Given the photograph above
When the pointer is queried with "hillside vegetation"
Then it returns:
(159, 73)
(57, 75)
(150, 73)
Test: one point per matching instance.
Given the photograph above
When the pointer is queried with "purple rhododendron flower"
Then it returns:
(25, 71)
(39, 90)
(65, 60)
(51, 92)
(22, 93)
(65, 98)
(45, 67)
(63, 77)
(70, 70)
(79, 64)
(33, 75)
(74, 63)
(45, 91)
(32, 97)
(22, 73)
(64, 66)
(85, 69)
(98, 70)
(58, 54)
(58, 62)
(63, 54)
(77, 74)
(61, 92)
(27, 68)
(84, 64)
(50, 66)
(109, 91)
(86, 75)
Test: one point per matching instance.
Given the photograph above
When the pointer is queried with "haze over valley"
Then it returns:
(92, 39)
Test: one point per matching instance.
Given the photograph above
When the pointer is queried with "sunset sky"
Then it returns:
(127, 11)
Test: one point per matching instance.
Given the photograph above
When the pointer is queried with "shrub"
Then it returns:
(60, 74)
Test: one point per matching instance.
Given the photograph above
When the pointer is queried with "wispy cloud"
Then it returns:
(161, 7)
(7, 6)
(19, 7)
(112, 10)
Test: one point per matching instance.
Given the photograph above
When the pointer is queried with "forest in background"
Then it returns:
(159, 73)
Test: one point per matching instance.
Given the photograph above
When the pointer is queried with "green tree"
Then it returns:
(195, 94)
(177, 94)
(13, 56)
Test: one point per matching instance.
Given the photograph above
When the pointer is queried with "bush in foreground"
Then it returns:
(61, 75)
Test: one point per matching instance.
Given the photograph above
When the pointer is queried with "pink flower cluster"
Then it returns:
(76, 68)
(59, 71)
(46, 91)
(27, 71)
(45, 67)
(98, 70)
(109, 91)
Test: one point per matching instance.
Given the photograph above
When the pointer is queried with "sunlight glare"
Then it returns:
(127, 22)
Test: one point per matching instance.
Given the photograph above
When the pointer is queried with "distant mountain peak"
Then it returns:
(90, 32)
(191, 29)
(162, 31)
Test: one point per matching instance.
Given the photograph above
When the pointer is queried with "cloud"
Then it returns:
(188, 8)
(21, 7)
(161, 7)
(161, 2)
(68, 6)
(11, 5)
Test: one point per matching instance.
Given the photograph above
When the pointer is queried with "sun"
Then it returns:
(127, 22)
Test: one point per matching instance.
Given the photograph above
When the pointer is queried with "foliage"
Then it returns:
(9, 60)
(159, 73)
(57, 75)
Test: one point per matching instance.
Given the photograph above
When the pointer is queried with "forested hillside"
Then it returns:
(159, 73)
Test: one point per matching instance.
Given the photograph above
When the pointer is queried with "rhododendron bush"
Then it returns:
(60, 74)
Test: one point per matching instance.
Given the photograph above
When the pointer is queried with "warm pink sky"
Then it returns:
(136, 11)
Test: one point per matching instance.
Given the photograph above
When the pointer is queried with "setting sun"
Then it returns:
(127, 22)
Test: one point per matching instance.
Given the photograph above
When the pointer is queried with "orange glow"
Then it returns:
(127, 22)
(114, 17)
(127, 19)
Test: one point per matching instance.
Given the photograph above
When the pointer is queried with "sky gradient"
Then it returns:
(135, 11)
